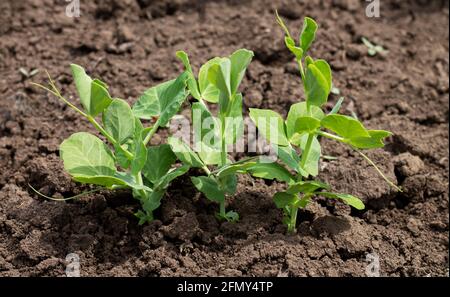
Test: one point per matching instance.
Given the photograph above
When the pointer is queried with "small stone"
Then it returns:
(254, 98)
(407, 164)
(125, 34)
(413, 226)
(355, 51)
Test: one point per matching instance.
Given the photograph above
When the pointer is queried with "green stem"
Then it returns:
(57, 93)
(302, 71)
(139, 181)
(206, 170)
(307, 150)
(97, 126)
(293, 220)
(223, 152)
(222, 209)
(151, 133)
(379, 171)
(331, 136)
(68, 198)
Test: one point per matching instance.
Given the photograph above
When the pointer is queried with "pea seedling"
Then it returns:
(147, 171)
(218, 82)
(373, 49)
(305, 122)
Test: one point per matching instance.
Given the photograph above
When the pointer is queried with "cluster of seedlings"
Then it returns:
(128, 161)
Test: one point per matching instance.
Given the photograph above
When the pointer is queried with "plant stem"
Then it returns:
(379, 171)
(91, 119)
(293, 220)
(223, 152)
(222, 209)
(331, 136)
(139, 181)
(151, 133)
(97, 126)
(302, 71)
(307, 150)
(56, 93)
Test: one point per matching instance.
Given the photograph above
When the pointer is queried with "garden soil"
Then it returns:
(131, 45)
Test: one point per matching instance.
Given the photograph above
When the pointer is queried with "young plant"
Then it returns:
(218, 83)
(306, 121)
(147, 171)
(373, 49)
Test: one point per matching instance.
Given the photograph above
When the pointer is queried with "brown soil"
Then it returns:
(131, 45)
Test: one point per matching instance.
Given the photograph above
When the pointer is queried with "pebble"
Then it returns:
(408, 164)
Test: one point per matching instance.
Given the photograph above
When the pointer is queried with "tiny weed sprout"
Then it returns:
(306, 121)
(217, 83)
(373, 49)
(147, 171)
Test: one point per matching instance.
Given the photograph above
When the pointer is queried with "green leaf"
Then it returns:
(238, 167)
(347, 198)
(163, 100)
(283, 199)
(304, 201)
(345, 126)
(234, 122)
(152, 201)
(172, 174)
(208, 91)
(85, 154)
(83, 83)
(119, 120)
(159, 160)
(191, 81)
(306, 125)
(317, 87)
(184, 153)
(219, 75)
(309, 60)
(306, 187)
(374, 141)
(102, 83)
(271, 171)
(206, 134)
(311, 166)
(100, 180)
(290, 44)
(240, 60)
(171, 99)
(118, 179)
(100, 99)
(325, 69)
(308, 33)
(140, 156)
(270, 124)
(296, 111)
(121, 158)
(93, 93)
(282, 25)
(228, 184)
(289, 156)
(148, 105)
(209, 187)
(232, 216)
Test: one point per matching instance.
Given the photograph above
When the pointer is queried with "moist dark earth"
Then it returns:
(131, 45)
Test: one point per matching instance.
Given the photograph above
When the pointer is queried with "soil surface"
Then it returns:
(131, 45)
